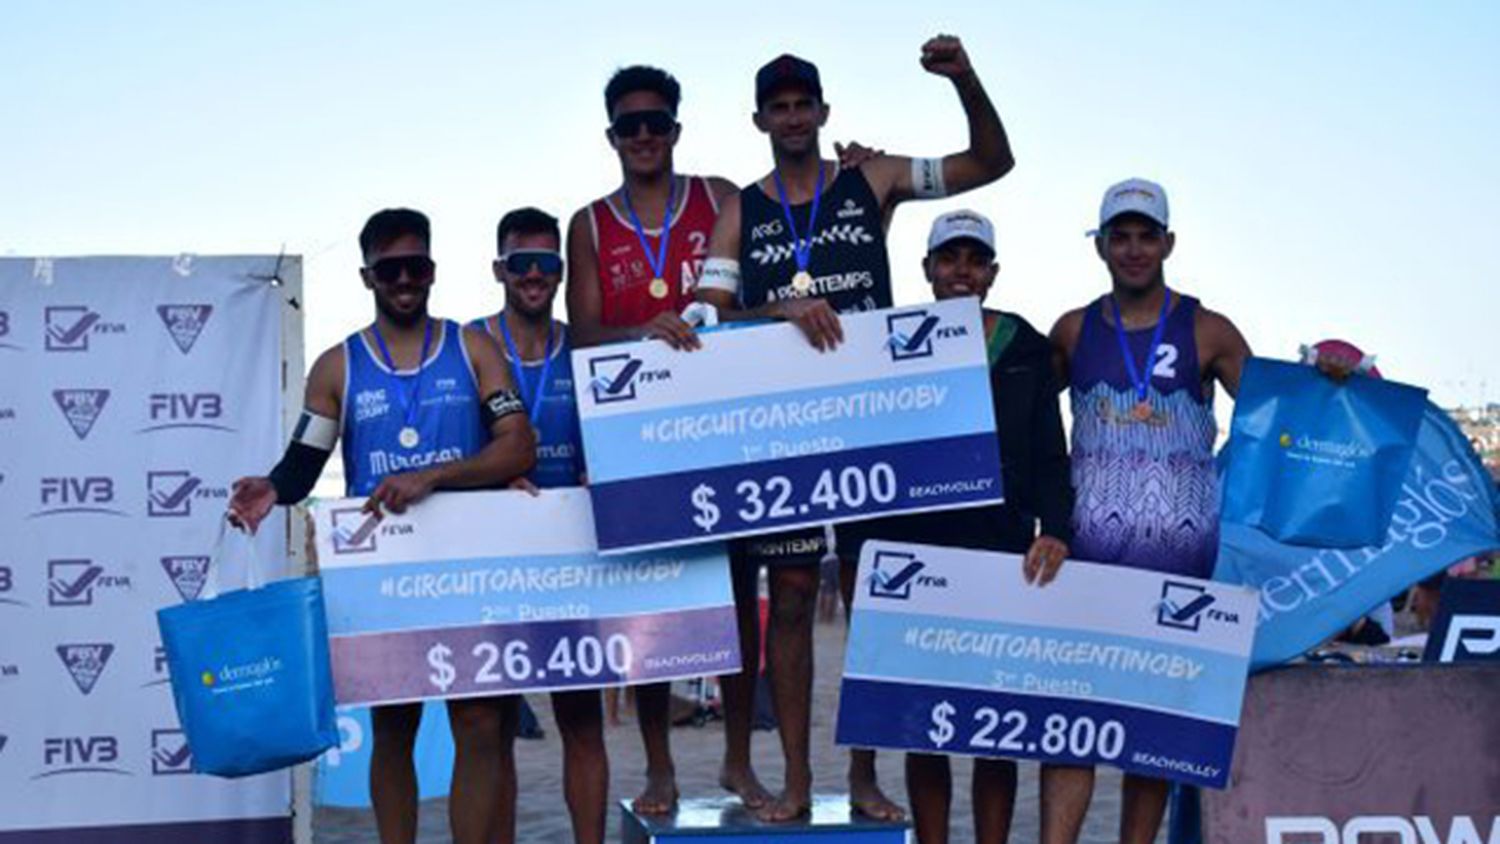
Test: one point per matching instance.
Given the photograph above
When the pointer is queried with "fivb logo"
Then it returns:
(184, 323)
(1183, 606)
(354, 531)
(896, 572)
(85, 662)
(1472, 638)
(71, 583)
(911, 334)
(74, 494)
(81, 408)
(1369, 829)
(170, 754)
(186, 410)
(80, 755)
(69, 327)
(5, 332)
(614, 377)
(170, 494)
(188, 575)
(7, 585)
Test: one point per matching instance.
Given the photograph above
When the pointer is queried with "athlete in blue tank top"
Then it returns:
(1141, 364)
(536, 348)
(404, 395)
(804, 244)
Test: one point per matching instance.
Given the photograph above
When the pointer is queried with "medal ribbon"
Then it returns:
(801, 247)
(408, 407)
(533, 404)
(1141, 383)
(657, 261)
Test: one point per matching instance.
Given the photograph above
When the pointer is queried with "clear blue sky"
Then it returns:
(1330, 165)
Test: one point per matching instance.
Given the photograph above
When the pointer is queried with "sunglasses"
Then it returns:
(521, 261)
(418, 268)
(658, 123)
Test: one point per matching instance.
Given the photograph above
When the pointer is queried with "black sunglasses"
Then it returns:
(521, 261)
(657, 123)
(418, 268)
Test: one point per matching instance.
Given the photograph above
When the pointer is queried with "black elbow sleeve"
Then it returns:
(298, 471)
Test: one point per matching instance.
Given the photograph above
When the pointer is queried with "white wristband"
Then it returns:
(320, 432)
(720, 274)
(927, 178)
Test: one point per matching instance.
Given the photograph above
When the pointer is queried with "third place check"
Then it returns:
(759, 432)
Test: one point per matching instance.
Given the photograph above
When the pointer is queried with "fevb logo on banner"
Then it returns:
(1184, 606)
(81, 408)
(170, 754)
(911, 334)
(896, 572)
(71, 583)
(184, 323)
(188, 574)
(613, 378)
(171, 493)
(85, 663)
(69, 327)
(354, 531)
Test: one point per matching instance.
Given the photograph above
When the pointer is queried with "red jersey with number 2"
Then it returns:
(625, 274)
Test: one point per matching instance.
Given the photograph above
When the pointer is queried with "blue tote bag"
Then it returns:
(1315, 462)
(250, 673)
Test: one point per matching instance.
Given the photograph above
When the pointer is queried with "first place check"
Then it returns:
(486, 593)
(759, 432)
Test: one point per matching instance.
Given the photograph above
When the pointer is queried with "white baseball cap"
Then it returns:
(1133, 196)
(962, 225)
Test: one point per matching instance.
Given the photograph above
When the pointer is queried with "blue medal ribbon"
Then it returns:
(533, 404)
(657, 261)
(801, 246)
(408, 407)
(1140, 382)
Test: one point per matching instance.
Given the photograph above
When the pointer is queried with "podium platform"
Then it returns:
(724, 820)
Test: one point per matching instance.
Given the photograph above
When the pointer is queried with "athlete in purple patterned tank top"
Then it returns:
(1141, 364)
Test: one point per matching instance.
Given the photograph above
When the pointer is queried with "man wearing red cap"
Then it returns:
(804, 244)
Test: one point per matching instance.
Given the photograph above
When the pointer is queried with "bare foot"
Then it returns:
(787, 807)
(867, 799)
(743, 783)
(660, 795)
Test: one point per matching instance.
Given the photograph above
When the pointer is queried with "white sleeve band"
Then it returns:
(720, 274)
(320, 432)
(927, 178)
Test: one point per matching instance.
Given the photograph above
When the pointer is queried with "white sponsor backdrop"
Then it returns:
(134, 391)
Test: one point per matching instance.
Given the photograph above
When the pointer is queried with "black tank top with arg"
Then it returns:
(848, 261)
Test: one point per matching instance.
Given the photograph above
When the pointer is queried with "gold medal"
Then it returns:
(802, 282)
(1142, 411)
(658, 288)
(409, 438)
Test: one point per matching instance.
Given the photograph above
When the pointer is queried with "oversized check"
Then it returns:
(758, 431)
(951, 651)
(481, 593)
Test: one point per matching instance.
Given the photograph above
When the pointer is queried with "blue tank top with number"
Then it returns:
(559, 437)
(1147, 492)
(444, 409)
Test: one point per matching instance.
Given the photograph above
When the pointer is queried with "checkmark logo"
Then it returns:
(893, 574)
(71, 582)
(1182, 605)
(170, 493)
(613, 377)
(354, 531)
(910, 334)
(68, 328)
(170, 753)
